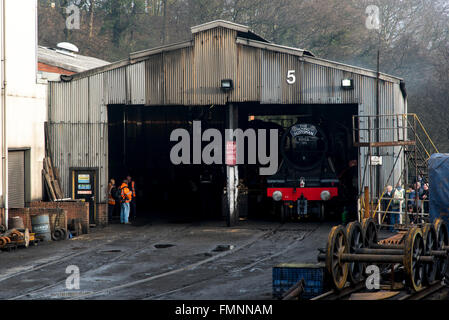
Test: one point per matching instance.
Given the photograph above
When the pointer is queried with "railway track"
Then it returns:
(188, 267)
(246, 267)
(140, 248)
(340, 295)
(46, 289)
(424, 294)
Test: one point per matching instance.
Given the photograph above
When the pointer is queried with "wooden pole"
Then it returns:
(367, 209)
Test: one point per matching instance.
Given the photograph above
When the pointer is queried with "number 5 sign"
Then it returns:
(291, 78)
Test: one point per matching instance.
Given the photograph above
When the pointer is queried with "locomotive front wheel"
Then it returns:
(430, 244)
(337, 244)
(284, 213)
(413, 250)
(369, 232)
(354, 234)
(321, 212)
(443, 240)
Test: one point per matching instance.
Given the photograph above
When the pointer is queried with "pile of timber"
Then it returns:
(50, 174)
(52, 180)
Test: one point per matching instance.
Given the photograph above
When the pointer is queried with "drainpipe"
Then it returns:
(3, 115)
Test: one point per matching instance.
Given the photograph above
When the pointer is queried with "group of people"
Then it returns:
(123, 196)
(418, 197)
(394, 201)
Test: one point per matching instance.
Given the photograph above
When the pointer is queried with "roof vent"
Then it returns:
(67, 48)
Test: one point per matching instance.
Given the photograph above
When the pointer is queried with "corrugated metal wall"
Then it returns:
(78, 128)
(191, 76)
(136, 83)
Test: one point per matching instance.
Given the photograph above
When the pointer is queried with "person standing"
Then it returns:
(411, 197)
(124, 205)
(398, 202)
(111, 200)
(388, 206)
(386, 199)
(132, 204)
(425, 198)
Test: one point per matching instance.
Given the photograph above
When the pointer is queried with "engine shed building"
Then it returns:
(113, 120)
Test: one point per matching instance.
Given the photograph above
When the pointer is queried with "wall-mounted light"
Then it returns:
(227, 85)
(347, 84)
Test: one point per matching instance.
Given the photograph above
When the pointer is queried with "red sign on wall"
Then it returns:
(231, 153)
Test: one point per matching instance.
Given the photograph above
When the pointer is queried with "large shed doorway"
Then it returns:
(139, 146)
(336, 122)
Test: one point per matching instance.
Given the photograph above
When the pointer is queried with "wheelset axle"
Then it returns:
(423, 254)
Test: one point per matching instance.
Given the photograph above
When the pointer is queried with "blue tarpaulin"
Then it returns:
(439, 186)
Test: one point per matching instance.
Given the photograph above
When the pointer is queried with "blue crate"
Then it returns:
(287, 275)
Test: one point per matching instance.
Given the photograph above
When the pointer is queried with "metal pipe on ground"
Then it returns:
(294, 293)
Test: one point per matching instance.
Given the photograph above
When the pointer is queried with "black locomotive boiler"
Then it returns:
(313, 173)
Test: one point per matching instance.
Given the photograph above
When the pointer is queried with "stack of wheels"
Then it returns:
(59, 234)
(423, 253)
(4, 241)
(20, 236)
(442, 239)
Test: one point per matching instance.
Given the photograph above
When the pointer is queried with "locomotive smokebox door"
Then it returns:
(307, 177)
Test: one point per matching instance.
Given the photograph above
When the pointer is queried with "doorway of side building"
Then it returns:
(19, 184)
(84, 186)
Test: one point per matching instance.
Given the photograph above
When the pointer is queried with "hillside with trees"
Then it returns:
(413, 38)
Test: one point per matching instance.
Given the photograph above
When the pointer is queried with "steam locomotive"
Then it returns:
(312, 176)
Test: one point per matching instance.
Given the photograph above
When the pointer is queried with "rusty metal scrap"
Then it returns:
(395, 239)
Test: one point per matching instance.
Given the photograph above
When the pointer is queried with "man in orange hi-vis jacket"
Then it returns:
(124, 203)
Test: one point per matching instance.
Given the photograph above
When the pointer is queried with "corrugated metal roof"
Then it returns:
(76, 63)
(242, 31)
(242, 36)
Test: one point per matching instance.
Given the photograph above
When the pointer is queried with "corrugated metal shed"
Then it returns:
(189, 73)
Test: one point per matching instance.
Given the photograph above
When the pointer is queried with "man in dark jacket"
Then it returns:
(388, 204)
(425, 197)
(132, 204)
(112, 201)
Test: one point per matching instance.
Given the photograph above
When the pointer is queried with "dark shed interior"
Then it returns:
(139, 145)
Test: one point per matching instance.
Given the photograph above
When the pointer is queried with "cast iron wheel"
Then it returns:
(443, 240)
(413, 250)
(283, 213)
(430, 243)
(369, 232)
(64, 232)
(337, 244)
(321, 213)
(354, 234)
